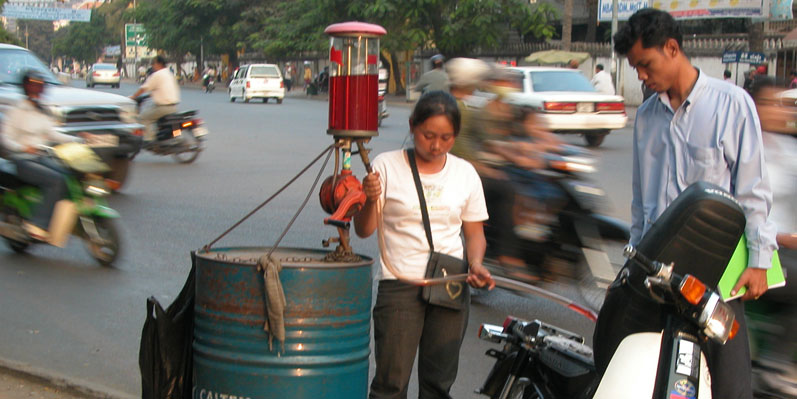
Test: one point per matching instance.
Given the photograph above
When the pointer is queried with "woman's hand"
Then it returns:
(479, 276)
(372, 187)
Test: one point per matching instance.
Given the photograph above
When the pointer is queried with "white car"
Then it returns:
(567, 102)
(257, 81)
(103, 74)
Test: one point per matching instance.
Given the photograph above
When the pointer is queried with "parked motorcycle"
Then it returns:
(85, 212)
(541, 361)
(180, 135)
(576, 236)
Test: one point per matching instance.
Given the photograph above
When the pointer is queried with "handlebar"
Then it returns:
(651, 267)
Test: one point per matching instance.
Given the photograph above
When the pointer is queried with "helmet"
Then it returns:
(437, 60)
(466, 71)
(32, 82)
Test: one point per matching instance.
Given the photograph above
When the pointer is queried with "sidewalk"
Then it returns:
(21, 381)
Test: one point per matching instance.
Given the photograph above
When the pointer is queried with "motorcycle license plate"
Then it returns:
(103, 140)
(200, 131)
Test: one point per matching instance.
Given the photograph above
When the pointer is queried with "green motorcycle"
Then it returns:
(84, 213)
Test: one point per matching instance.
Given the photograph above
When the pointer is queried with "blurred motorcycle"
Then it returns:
(573, 238)
(180, 135)
(84, 213)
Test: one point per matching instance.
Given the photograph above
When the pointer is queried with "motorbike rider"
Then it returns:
(436, 79)
(210, 75)
(27, 127)
(165, 93)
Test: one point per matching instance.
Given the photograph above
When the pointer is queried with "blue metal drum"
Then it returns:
(327, 326)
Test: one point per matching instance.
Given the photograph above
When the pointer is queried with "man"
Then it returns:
(602, 81)
(727, 76)
(573, 64)
(165, 93)
(436, 79)
(26, 128)
(697, 128)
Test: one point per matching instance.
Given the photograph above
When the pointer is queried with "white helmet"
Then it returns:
(465, 72)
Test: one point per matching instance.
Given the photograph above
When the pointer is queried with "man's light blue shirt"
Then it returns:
(714, 136)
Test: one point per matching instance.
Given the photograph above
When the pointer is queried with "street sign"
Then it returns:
(743, 57)
(135, 34)
(45, 13)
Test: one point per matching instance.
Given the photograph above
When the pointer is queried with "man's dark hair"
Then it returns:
(599, 67)
(727, 73)
(160, 60)
(653, 26)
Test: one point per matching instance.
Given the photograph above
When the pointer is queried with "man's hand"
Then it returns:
(756, 282)
(480, 277)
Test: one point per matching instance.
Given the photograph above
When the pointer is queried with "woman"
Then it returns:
(403, 322)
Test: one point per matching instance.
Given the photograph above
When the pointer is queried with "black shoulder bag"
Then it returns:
(450, 295)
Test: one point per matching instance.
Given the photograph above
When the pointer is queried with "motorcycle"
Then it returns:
(86, 214)
(542, 361)
(180, 135)
(210, 83)
(576, 237)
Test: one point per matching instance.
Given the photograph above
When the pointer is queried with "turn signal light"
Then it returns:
(559, 107)
(282, 84)
(248, 85)
(508, 321)
(734, 330)
(113, 184)
(188, 124)
(692, 289)
(138, 132)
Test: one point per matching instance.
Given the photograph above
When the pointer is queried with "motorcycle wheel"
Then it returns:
(106, 249)
(19, 247)
(186, 156)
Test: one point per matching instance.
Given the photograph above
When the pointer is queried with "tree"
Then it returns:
(40, 37)
(83, 41)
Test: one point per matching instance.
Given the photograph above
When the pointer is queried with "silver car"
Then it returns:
(103, 74)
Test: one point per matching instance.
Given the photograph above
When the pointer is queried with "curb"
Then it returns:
(69, 385)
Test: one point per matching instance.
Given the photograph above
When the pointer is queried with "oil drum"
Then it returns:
(327, 326)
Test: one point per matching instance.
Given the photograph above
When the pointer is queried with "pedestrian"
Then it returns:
(288, 77)
(697, 129)
(436, 79)
(602, 81)
(727, 76)
(404, 323)
(748, 80)
(308, 75)
(793, 77)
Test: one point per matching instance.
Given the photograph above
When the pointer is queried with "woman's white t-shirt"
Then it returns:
(453, 195)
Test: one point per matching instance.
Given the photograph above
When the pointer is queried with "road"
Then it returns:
(64, 316)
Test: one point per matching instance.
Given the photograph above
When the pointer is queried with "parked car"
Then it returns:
(111, 118)
(257, 81)
(103, 74)
(568, 103)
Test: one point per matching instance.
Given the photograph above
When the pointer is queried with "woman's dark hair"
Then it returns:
(436, 103)
(653, 26)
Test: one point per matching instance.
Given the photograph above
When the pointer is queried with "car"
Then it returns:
(567, 102)
(257, 81)
(103, 74)
(112, 119)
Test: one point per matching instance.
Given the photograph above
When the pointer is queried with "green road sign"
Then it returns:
(135, 34)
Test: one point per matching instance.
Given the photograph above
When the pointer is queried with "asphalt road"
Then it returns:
(66, 317)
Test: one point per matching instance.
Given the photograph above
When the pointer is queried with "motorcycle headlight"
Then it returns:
(718, 320)
(96, 189)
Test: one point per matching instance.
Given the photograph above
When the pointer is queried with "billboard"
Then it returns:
(21, 11)
(687, 9)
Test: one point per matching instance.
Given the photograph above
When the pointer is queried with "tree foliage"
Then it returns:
(40, 36)
(83, 41)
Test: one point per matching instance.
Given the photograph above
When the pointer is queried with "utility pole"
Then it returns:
(615, 63)
(135, 38)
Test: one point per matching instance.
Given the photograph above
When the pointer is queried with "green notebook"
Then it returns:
(738, 264)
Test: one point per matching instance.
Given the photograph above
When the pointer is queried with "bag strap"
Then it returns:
(424, 213)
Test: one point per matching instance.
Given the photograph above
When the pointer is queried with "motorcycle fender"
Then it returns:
(632, 371)
(611, 228)
(102, 212)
